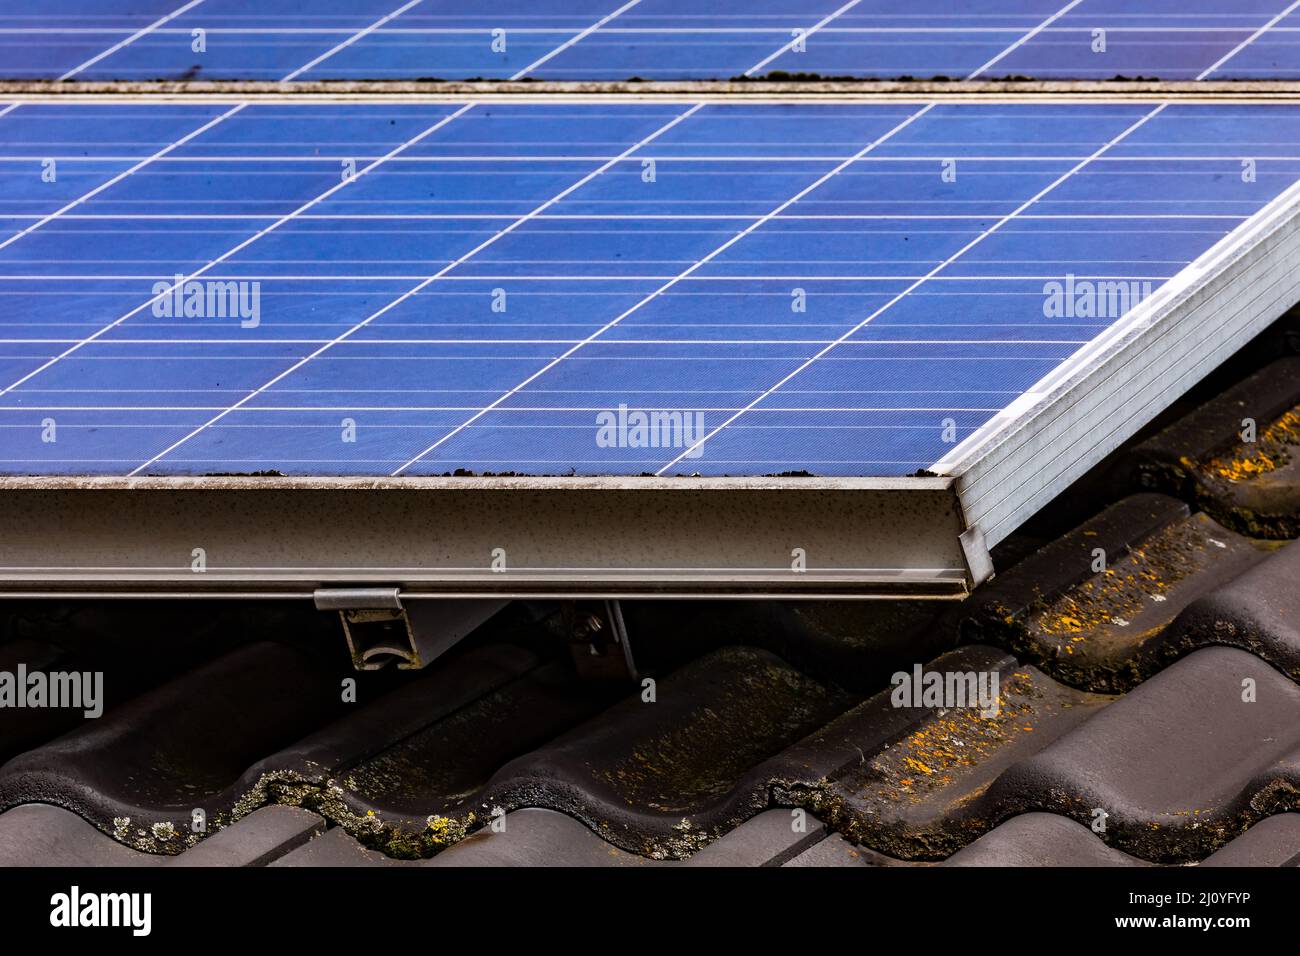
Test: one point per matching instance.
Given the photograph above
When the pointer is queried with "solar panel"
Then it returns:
(586, 40)
(661, 344)
(846, 290)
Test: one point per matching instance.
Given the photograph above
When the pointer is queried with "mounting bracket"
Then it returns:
(379, 628)
(599, 643)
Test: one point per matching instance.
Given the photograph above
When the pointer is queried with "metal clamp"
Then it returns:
(600, 646)
(379, 628)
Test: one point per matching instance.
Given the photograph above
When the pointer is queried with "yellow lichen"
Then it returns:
(1270, 451)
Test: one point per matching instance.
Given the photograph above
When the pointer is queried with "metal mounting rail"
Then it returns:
(720, 90)
(486, 537)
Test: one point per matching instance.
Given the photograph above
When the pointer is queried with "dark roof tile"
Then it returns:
(911, 782)
(1251, 486)
(37, 834)
(1273, 841)
(254, 840)
(335, 847)
(772, 838)
(1105, 629)
(423, 792)
(534, 837)
(1180, 765)
(833, 851)
(1041, 839)
(1258, 611)
(182, 746)
(661, 778)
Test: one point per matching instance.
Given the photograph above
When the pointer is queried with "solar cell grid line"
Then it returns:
(1001, 513)
(1189, 357)
(131, 39)
(571, 353)
(239, 45)
(801, 37)
(30, 32)
(1147, 42)
(390, 58)
(1217, 64)
(1024, 39)
(174, 31)
(1154, 41)
(576, 38)
(289, 77)
(204, 128)
(750, 465)
(1163, 345)
(921, 43)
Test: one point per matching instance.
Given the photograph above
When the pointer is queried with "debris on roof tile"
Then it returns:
(911, 781)
(1094, 608)
(335, 847)
(1177, 767)
(1047, 839)
(1273, 841)
(1258, 611)
(425, 791)
(1064, 563)
(660, 776)
(1237, 456)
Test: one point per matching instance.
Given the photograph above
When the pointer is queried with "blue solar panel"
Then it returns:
(649, 39)
(422, 288)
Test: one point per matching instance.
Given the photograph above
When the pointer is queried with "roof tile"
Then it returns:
(1041, 839)
(1180, 765)
(534, 837)
(254, 840)
(1253, 487)
(37, 834)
